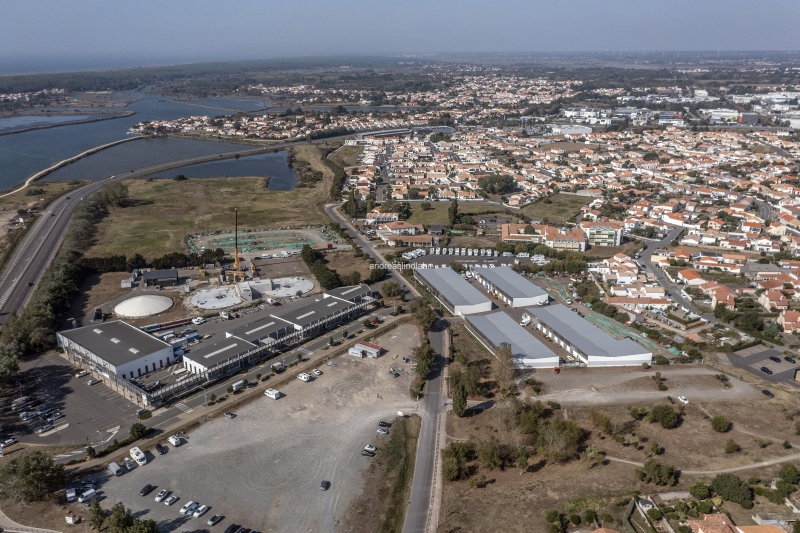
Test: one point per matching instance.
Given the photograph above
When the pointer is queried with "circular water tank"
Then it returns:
(142, 306)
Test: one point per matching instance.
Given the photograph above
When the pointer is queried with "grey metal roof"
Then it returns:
(499, 328)
(269, 326)
(316, 311)
(584, 335)
(351, 293)
(222, 350)
(161, 274)
(509, 282)
(451, 286)
(116, 342)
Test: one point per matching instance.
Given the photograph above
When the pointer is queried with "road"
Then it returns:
(419, 506)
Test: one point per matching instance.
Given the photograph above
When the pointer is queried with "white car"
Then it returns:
(186, 507)
(81, 374)
(304, 377)
(370, 448)
(198, 320)
(128, 463)
(683, 400)
(169, 501)
(200, 511)
(317, 372)
(161, 495)
(93, 382)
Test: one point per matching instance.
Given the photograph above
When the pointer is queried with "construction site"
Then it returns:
(267, 243)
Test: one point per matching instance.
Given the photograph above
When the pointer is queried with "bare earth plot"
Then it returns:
(263, 468)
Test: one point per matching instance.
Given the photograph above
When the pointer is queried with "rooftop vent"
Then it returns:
(115, 341)
(133, 350)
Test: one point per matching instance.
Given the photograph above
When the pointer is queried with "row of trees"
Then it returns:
(122, 263)
(328, 279)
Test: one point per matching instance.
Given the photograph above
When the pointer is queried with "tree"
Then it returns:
(97, 516)
(120, 519)
(138, 430)
(424, 314)
(423, 355)
(230, 387)
(143, 526)
(90, 452)
(559, 439)
(9, 362)
(664, 415)
(452, 212)
(657, 474)
(212, 398)
(790, 474)
(425, 206)
(699, 490)
(730, 488)
(503, 364)
(137, 261)
(455, 458)
(720, 424)
(459, 400)
(391, 289)
(489, 455)
(30, 477)
(522, 460)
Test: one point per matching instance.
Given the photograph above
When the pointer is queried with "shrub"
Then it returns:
(575, 519)
(720, 424)
(730, 488)
(654, 514)
(754, 480)
(657, 474)
(790, 474)
(699, 490)
(590, 516)
(552, 516)
(732, 447)
(664, 415)
(747, 504)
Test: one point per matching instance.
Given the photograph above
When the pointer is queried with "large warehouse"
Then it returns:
(585, 341)
(115, 348)
(510, 287)
(455, 293)
(496, 328)
(252, 341)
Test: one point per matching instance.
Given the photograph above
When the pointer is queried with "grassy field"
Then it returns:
(437, 214)
(346, 156)
(163, 212)
(560, 207)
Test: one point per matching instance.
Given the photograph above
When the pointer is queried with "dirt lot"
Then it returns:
(263, 468)
(759, 426)
(96, 290)
(345, 263)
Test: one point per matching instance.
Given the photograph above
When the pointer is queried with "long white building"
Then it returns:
(510, 287)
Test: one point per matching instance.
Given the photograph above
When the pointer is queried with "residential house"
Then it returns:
(773, 299)
(790, 320)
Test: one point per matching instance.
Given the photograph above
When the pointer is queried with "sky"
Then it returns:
(47, 35)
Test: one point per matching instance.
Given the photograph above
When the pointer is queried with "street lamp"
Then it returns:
(204, 395)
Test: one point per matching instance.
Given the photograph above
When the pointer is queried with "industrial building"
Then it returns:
(453, 291)
(510, 287)
(115, 348)
(256, 340)
(496, 328)
(365, 349)
(589, 344)
(160, 278)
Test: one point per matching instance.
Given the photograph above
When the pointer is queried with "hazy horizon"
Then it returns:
(42, 36)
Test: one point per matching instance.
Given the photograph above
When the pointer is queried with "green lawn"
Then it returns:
(437, 214)
(557, 208)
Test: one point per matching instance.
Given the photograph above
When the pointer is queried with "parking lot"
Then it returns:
(752, 359)
(263, 468)
(90, 414)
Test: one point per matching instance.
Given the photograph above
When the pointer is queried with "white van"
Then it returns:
(304, 377)
(138, 456)
(115, 469)
(86, 496)
(175, 440)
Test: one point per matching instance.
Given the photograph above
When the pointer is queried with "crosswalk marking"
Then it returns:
(183, 407)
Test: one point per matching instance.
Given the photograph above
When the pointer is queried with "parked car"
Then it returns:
(169, 501)
(774, 358)
(162, 495)
(324, 485)
(93, 381)
(317, 372)
(231, 528)
(192, 508)
(29, 415)
(8, 442)
(188, 506)
(128, 463)
(767, 393)
(200, 511)
(161, 449)
(385, 424)
(44, 411)
(789, 359)
(766, 370)
(214, 520)
(54, 417)
(383, 431)
(230, 415)
(147, 489)
(370, 448)
(81, 374)
(367, 453)
(198, 320)
(45, 428)
(683, 400)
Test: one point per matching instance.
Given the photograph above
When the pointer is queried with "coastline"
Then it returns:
(64, 162)
(127, 113)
